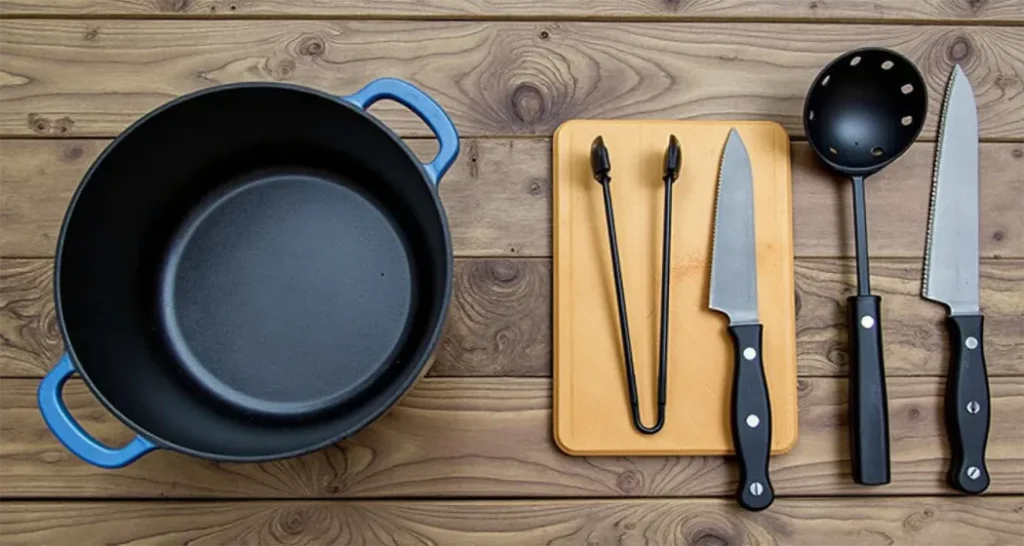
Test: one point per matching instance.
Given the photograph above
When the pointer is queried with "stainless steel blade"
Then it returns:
(951, 253)
(733, 256)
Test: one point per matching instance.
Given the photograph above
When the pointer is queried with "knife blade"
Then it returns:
(734, 293)
(951, 277)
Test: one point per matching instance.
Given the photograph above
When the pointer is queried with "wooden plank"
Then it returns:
(846, 10)
(959, 520)
(93, 77)
(492, 438)
(500, 320)
(498, 198)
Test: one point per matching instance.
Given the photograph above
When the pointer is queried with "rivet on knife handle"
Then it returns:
(751, 419)
(967, 404)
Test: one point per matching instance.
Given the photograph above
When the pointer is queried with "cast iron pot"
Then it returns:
(252, 272)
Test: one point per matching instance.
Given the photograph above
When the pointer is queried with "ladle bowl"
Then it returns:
(864, 110)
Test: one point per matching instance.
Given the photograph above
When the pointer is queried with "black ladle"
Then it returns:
(862, 112)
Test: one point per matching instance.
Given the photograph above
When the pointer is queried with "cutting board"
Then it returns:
(591, 409)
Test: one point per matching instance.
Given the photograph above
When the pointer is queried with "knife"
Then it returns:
(951, 278)
(734, 293)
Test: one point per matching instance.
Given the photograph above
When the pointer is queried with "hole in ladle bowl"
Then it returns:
(907, 120)
(907, 89)
(834, 151)
(877, 151)
(825, 80)
(855, 61)
(810, 115)
(887, 65)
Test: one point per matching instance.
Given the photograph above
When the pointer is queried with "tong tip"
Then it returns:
(673, 159)
(600, 163)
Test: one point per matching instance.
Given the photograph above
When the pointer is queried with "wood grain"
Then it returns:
(473, 438)
(962, 520)
(914, 330)
(499, 323)
(912, 10)
(94, 77)
(498, 198)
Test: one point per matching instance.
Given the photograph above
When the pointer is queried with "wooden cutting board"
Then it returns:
(591, 409)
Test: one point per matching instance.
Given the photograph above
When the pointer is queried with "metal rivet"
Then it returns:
(867, 321)
(971, 342)
(756, 489)
(973, 407)
(753, 421)
(749, 353)
(973, 472)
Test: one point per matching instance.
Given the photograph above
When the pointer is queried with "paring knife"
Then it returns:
(951, 278)
(734, 293)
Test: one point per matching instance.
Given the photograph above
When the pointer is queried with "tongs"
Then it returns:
(601, 165)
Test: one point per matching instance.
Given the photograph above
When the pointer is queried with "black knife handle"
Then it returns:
(751, 419)
(869, 407)
(967, 404)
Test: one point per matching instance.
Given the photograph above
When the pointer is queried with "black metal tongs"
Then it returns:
(601, 165)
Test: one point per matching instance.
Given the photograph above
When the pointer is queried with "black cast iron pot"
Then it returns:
(251, 272)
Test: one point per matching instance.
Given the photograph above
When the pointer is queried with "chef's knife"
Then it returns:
(951, 278)
(734, 293)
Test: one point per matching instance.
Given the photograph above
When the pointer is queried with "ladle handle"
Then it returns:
(869, 407)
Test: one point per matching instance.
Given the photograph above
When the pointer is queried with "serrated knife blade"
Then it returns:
(734, 293)
(951, 253)
(733, 256)
(951, 278)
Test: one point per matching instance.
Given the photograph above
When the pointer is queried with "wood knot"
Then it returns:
(474, 156)
(39, 124)
(959, 50)
(629, 481)
(673, 6)
(91, 34)
(797, 301)
(292, 522)
(1017, 153)
(45, 126)
(544, 35)
(312, 46)
(917, 520)
(283, 69)
(174, 6)
(913, 413)
(528, 103)
(815, 5)
(536, 187)
(503, 271)
(975, 5)
(803, 387)
(72, 153)
(504, 337)
(629, 526)
(837, 354)
(998, 235)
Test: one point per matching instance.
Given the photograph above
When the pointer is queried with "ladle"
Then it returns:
(863, 111)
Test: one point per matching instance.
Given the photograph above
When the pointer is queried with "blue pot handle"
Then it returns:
(423, 106)
(71, 434)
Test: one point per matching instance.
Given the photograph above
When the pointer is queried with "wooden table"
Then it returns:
(468, 458)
